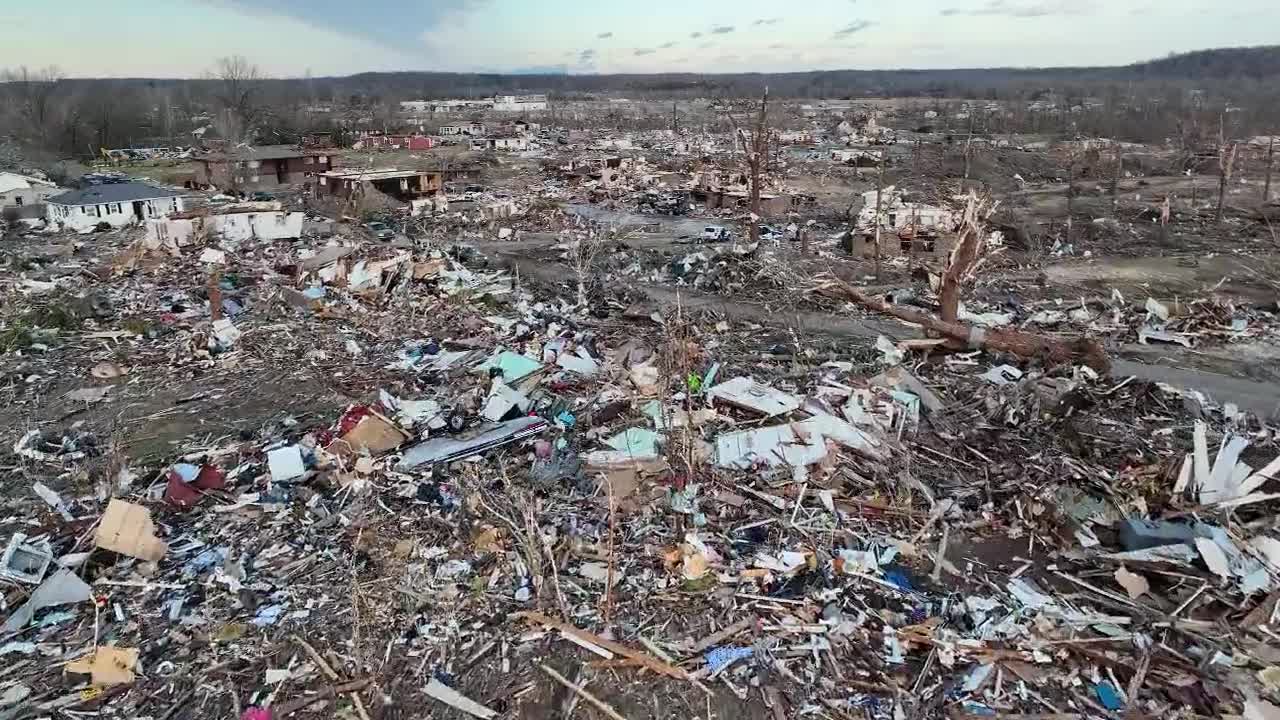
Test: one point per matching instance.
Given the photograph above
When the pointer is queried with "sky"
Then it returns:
(294, 38)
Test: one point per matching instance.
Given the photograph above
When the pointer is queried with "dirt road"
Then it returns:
(1174, 368)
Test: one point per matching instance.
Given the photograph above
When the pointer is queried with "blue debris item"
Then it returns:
(268, 615)
(722, 657)
(1108, 696)
(976, 708)
(207, 559)
(566, 419)
(513, 365)
(187, 471)
(899, 580)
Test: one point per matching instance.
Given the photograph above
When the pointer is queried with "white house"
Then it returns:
(116, 204)
(514, 143)
(21, 196)
(897, 214)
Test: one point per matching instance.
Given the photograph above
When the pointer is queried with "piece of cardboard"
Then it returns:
(107, 665)
(374, 433)
(127, 529)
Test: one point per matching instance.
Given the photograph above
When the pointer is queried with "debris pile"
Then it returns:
(507, 494)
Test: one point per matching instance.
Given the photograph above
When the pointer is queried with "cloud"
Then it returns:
(604, 35)
(777, 46)
(665, 46)
(645, 51)
(769, 21)
(587, 55)
(695, 35)
(412, 20)
(722, 30)
(705, 45)
(854, 27)
(1025, 8)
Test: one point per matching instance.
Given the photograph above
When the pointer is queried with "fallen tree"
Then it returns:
(1051, 351)
(961, 267)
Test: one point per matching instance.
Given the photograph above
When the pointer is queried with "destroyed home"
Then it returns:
(904, 227)
(261, 221)
(512, 143)
(715, 190)
(403, 185)
(113, 204)
(262, 167)
(472, 129)
(381, 141)
(497, 103)
(23, 196)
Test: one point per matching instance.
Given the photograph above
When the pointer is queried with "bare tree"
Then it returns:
(239, 84)
(582, 255)
(754, 145)
(32, 92)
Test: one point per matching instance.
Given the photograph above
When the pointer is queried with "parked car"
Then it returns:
(716, 233)
(380, 230)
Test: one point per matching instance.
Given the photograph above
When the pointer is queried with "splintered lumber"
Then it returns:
(634, 656)
(581, 692)
(454, 699)
(1050, 350)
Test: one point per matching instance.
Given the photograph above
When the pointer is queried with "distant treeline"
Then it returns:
(42, 111)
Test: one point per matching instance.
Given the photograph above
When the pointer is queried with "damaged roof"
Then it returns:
(112, 193)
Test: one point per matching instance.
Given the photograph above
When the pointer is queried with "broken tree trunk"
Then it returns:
(962, 258)
(1051, 351)
(1226, 161)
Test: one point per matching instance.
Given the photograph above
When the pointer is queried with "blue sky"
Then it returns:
(182, 38)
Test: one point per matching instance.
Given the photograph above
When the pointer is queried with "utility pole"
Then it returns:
(1071, 194)
(1115, 182)
(968, 144)
(879, 191)
(675, 125)
(1271, 153)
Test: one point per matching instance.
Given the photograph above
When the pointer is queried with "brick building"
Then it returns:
(260, 168)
